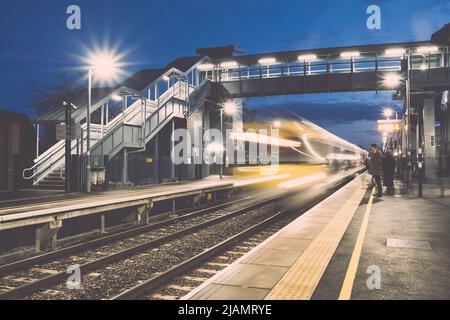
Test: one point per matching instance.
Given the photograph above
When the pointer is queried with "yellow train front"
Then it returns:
(296, 148)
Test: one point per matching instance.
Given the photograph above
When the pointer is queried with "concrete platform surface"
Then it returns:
(280, 267)
(406, 271)
(48, 209)
(340, 250)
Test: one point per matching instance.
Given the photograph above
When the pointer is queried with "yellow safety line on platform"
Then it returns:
(347, 286)
(300, 282)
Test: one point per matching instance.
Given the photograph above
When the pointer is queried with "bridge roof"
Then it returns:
(442, 35)
(80, 98)
(141, 79)
(332, 52)
(132, 85)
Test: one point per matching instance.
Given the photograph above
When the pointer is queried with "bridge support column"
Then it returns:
(156, 158)
(412, 137)
(197, 199)
(429, 138)
(46, 235)
(139, 214)
(172, 146)
(125, 166)
(102, 224)
(445, 143)
(143, 213)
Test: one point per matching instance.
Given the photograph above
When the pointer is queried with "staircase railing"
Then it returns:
(53, 157)
(126, 134)
(198, 97)
(52, 160)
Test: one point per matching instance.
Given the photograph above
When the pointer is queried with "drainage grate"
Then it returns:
(408, 244)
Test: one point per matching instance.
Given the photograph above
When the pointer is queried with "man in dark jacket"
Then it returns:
(376, 167)
(389, 172)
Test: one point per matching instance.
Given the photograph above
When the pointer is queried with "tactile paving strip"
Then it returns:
(408, 244)
(302, 279)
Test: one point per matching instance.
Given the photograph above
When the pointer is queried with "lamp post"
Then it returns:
(276, 124)
(88, 133)
(229, 107)
(104, 65)
(223, 151)
(389, 113)
(68, 144)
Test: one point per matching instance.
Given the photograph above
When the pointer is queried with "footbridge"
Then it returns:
(139, 114)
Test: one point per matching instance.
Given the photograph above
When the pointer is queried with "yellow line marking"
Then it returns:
(300, 282)
(347, 286)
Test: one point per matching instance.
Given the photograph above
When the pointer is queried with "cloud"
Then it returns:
(429, 19)
(351, 117)
(335, 112)
(361, 132)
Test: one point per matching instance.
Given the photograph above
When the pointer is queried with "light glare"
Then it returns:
(104, 65)
(267, 61)
(307, 57)
(263, 139)
(117, 97)
(229, 107)
(229, 65)
(388, 112)
(205, 67)
(427, 49)
(394, 52)
(277, 124)
(302, 181)
(350, 54)
(392, 80)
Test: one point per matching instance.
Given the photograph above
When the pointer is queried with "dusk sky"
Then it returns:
(35, 42)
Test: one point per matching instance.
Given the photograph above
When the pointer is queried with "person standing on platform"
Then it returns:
(376, 167)
(389, 172)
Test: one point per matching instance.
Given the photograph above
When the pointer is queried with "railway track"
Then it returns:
(181, 279)
(47, 270)
(120, 234)
(145, 265)
(197, 269)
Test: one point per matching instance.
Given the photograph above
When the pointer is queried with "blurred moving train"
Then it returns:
(299, 143)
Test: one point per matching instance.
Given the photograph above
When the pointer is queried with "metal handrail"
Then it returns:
(59, 155)
(58, 147)
(322, 66)
(305, 68)
(203, 94)
(168, 96)
(57, 150)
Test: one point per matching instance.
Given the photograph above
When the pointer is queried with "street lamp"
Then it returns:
(389, 113)
(392, 80)
(105, 66)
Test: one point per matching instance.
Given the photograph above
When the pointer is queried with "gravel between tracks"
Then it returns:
(110, 280)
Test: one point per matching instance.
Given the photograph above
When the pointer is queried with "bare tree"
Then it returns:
(45, 97)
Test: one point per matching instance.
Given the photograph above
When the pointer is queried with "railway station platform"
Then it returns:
(349, 246)
(48, 208)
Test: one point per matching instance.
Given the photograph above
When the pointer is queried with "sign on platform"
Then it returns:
(389, 126)
(61, 131)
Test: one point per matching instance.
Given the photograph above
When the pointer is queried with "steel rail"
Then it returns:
(157, 281)
(27, 289)
(21, 264)
(160, 279)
